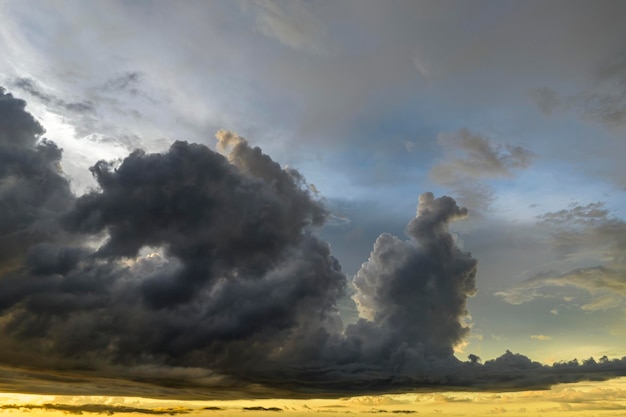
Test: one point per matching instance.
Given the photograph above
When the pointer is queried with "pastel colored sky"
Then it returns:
(290, 239)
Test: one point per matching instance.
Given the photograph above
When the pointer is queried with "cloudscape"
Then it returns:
(303, 207)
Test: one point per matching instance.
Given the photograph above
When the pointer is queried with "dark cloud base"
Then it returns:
(198, 274)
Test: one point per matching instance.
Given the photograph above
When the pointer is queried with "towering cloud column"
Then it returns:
(412, 294)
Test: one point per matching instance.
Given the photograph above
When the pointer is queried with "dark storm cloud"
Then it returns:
(234, 265)
(241, 267)
(220, 223)
(411, 296)
(195, 273)
(33, 191)
(509, 372)
(414, 292)
(18, 127)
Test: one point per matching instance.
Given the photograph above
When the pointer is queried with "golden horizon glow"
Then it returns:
(606, 398)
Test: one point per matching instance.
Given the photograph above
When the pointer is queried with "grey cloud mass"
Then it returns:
(193, 269)
(33, 189)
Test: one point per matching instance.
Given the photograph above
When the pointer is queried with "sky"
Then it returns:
(355, 204)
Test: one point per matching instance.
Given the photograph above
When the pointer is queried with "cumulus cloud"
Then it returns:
(192, 269)
(413, 293)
